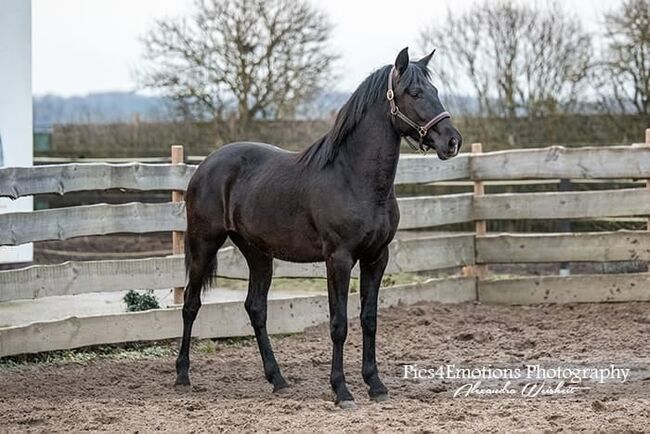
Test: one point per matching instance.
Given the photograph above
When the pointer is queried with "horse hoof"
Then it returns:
(281, 389)
(183, 388)
(380, 397)
(347, 405)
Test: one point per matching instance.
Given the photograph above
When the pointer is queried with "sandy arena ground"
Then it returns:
(230, 393)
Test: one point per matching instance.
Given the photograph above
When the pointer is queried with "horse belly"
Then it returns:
(280, 233)
(287, 246)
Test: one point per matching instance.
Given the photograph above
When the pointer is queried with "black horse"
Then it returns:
(334, 202)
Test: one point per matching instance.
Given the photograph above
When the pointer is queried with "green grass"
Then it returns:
(129, 351)
(210, 346)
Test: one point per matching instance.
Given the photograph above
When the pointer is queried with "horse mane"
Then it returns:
(374, 87)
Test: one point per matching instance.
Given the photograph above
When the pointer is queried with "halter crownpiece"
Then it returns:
(395, 111)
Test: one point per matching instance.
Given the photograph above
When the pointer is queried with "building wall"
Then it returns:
(16, 105)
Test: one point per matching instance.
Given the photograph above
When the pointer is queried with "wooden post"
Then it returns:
(178, 243)
(479, 271)
(564, 225)
(647, 181)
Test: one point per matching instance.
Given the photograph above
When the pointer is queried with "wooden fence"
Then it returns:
(409, 254)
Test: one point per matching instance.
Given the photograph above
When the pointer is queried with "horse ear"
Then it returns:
(425, 60)
(402, 60)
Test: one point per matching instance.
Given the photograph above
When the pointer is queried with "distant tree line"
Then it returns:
(233, 61)
(524, 59)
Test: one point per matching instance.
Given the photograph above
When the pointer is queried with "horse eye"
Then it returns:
(415, 93)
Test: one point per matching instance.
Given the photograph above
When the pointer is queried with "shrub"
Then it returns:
(138, 302)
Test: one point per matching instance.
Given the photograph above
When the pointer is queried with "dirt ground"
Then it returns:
(230, 394)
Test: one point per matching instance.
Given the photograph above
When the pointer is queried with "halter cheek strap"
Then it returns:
(395, 111)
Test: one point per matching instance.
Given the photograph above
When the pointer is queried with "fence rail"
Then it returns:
(79, 221)
(616, 162)
(66, 178)
(216, 319)
(416, 213)
(566, 289)
(558, 162)
(138, 218)
(571, 247)
(407, 255)
(70, 278)
(554, 162)
(567, 205)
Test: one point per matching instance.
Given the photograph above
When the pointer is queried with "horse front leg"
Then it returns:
(339, 266)
(371, 275)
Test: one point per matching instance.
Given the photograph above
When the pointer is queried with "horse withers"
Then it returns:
(334, 202)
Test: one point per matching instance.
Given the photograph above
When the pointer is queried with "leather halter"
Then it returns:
(421, 129)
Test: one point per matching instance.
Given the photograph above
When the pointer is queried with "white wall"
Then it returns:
(16, 105)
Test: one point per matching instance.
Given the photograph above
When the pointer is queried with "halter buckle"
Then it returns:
(394, 110)
(390, 95)
(422, 131)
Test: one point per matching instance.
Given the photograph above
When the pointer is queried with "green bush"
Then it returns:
(138, 302)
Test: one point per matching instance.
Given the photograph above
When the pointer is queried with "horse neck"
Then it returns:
(372, 152)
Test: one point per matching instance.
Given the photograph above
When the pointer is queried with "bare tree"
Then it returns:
(519, 59)
(244, 58)
(624, 72)
(557, 59)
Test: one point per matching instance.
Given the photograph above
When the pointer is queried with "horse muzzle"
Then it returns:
(453, 148)
(445, 149)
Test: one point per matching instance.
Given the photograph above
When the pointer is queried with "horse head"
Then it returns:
(416, 108)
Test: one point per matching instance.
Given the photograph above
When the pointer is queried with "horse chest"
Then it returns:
(377, 228)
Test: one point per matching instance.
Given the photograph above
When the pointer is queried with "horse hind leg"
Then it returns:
(260, 275)
(200, 254)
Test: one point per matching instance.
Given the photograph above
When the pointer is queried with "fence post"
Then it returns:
(647, 181)
(564, 225)
(178, 244)
(480, 226)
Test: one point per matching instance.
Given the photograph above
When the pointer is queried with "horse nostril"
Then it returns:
(453, 144)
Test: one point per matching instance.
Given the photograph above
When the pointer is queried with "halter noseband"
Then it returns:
(395, 111)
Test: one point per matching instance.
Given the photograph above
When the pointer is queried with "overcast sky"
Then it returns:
(82, 46)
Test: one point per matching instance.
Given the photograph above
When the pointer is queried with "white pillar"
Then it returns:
(16, 105)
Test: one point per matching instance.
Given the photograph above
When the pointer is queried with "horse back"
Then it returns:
(266, 196)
